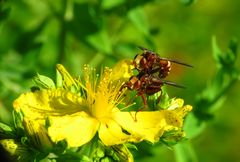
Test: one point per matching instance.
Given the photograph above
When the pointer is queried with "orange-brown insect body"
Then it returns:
(152, 69)
(164, 69)
(145, 84)
(151, 63)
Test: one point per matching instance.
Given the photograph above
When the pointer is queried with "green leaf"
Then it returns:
(225, 59)
(172, 137)
(187, 2)
(85, 21)
(184, 152)
(139, 19)
(131, 146)
(6, 131)
(4, 12)
(5, 115)
(101, 41)
(192, 126)
(213, 96)
(231, 55)
(17, 119)
(217, 53)
(108, 4)
(165, 101)
(97, 60)
(4, 127)
(59, 79)
(44, 82)
(69, 10)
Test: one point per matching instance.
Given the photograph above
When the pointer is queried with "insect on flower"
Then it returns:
(152, 69)
(150, 62)
(149, 85)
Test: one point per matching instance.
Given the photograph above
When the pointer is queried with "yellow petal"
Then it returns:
(177, 106)
(40, 104)
(175, 113)
(37, 133)
(77, 129)
(111, 133)
(143, 125)
(172, 120)
(176, 103)
(122, 70)
(126, 127)
(183, 111)
(135, 127)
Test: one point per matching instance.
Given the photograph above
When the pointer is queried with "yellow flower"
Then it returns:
(15, 151)
(77, 118)
(37, 134)
(122, 70)
(9, 145)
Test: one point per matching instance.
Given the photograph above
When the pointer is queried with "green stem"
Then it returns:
(62, 33)
(222, 92)
(203, 111)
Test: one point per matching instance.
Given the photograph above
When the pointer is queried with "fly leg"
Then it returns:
(159, 97)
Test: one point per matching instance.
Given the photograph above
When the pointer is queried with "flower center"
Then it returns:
(103, 94)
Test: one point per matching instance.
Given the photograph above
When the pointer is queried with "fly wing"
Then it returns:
(173, 84)
(177, 62)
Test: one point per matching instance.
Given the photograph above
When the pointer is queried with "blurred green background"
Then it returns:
(35, 35)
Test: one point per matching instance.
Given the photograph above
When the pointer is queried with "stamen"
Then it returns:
(129, 105)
